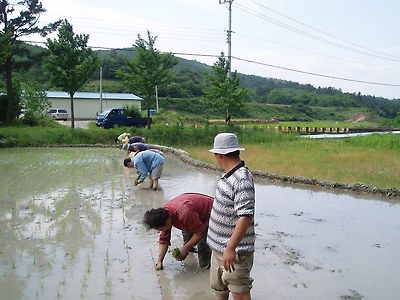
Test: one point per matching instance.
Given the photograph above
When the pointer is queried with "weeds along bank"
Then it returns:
(356, 187)
(174, 136)
(282, 157)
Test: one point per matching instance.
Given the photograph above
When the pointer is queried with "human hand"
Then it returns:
(137, 181)
(229, 259)
(180, 254)
(159, 266)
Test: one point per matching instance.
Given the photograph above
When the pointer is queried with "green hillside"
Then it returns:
(267, 97)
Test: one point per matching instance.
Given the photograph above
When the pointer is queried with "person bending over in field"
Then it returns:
(146, 161)
(122, 137)
(132, 139)
(189, 212)
(136, 147)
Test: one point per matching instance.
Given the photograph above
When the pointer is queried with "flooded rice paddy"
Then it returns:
(70, 228)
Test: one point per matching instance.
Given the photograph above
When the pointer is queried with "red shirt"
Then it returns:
(188, 212)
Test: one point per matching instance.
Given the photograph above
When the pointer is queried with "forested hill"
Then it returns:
(189, 81)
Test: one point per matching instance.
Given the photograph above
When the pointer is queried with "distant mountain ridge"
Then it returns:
(189, 80)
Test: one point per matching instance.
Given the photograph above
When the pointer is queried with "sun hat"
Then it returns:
(225, 143)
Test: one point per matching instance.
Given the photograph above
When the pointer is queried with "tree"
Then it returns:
(5, 48)
(5, 52)
(147, 69)
(224, 94)
(34, 102)
(110, 62)
(71, 62)
(27, 13)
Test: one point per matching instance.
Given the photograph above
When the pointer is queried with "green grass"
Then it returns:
(324, 160)
(372, 160)
(26, 136)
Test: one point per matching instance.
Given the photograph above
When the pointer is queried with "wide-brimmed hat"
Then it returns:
(225, 143)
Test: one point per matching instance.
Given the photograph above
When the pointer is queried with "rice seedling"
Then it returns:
(61, 284)
(107, 277)
(84, 286)
(88, 264)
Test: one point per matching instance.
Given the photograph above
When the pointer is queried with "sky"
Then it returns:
(352, 45)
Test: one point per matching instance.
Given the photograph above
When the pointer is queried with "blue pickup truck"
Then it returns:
(115, 117)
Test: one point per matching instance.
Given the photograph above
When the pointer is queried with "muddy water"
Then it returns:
(70, 229)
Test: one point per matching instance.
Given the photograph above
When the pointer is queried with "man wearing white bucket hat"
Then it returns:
(231, 234)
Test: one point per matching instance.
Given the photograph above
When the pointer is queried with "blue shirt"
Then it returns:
(146, 161)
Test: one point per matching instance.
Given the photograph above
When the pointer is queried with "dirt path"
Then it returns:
(77, 123)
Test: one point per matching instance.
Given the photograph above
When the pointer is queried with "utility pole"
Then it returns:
(156, 99)
(229, 34)
(101, 89)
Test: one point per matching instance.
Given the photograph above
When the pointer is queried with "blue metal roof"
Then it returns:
(96, 96)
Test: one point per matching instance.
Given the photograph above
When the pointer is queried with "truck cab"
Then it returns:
(114, 117)
(110, 117)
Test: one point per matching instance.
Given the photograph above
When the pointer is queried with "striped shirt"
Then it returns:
(235, 197)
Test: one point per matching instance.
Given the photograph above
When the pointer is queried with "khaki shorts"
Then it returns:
(239, 281)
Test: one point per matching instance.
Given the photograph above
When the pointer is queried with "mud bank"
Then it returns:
(357, 187)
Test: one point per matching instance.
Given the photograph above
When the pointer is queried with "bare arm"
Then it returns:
(184, 250)
(192, 242)
(163, 248)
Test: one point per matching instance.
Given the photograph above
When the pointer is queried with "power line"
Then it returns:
(315, 37)
(316, 74)
(299, 48)
(252, 62)
(397, 58)
(294, 70)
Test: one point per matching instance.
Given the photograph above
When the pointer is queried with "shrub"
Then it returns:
(132, 111)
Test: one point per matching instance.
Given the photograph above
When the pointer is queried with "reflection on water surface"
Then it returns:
(70, 228)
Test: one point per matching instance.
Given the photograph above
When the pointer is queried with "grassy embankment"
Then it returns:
(373, 160)
(343, 161)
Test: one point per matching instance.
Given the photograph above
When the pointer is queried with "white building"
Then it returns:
(88, 105)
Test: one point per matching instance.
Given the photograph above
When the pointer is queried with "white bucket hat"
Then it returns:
(225, 143)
